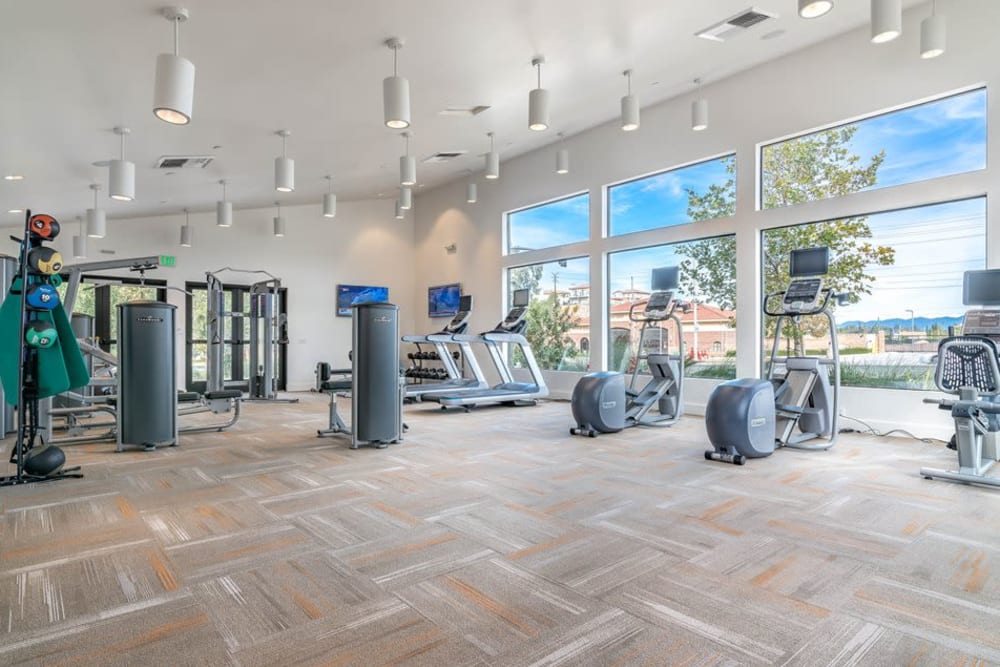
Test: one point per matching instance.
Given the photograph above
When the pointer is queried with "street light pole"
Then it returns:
(910, 311)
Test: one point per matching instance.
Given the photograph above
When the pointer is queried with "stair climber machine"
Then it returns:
(602, 404)
(796, 406)
(508, 392)
(454, 380)
(968, 368)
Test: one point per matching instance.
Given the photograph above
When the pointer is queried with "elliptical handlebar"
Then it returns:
(821, 308)
(661, 316)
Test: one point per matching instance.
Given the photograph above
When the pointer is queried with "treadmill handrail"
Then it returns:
(467, 338)
(497, 337)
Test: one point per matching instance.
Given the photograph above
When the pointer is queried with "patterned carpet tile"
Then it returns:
(176, 525)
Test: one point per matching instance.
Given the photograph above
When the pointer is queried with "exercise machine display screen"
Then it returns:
(659, 304)
(982, 323)
(465, 303)
(809, 262)
(981, 288)
(802, 294)
(464, 308)
(520, 298)
(665, 278)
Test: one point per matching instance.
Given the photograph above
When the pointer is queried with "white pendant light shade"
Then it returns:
(471, 194)
(224, 213)
(562, 161)
(538, 110)
(396, 92)
(187, 236)
(173, 92)
(405, 198)
(329, 205)
(121, 181)
(279, 226)
(699, 115)
(887, 20)
(811, 9)
(630, 106)
(492, 160)
(400, 214)
(284, 174)
(96, 219)
(173, 99)
(79, 246)
(407, 170)
(933, 36)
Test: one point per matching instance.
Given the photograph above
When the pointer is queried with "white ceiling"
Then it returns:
(74, 69)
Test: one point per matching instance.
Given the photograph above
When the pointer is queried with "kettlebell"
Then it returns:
(43, 226)
(45, 260)
(41, 334)
(42, 296)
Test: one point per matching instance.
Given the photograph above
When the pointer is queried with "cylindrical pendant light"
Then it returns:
(96, 218)
(187, 234)
(173, 96)
(121, 173)
(887, 20)
(407, 165)
(933, 34)
(630, 106)
(812, 9)
(329, 200)
(80, 242)
(224, 209)
(405, 199)
(396, 92)
(284, 167)
(492, 159)
(562, 158)
(471, 196)
(279, 222)
(400, 214)
(538, 101)
(699, 112)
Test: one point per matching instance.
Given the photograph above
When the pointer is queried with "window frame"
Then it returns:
(548, 202)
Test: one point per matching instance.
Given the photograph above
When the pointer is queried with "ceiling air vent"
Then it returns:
(463, 111)
(443, 156)
(735, 25)
(184, 161)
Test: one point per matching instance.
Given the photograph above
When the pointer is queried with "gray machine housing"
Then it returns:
(147, 374)
(598, 403)
(377, 385)
(740, 417)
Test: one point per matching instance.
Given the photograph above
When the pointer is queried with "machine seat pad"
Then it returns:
(337, 385)
(188, 396)
(225, 393)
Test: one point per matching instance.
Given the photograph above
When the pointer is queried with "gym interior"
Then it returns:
(452, 333)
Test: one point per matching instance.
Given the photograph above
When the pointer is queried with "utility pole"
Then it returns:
(912, 328)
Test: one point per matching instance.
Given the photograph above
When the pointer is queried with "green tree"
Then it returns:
(549, 322)
(818, 166)
(526, 277)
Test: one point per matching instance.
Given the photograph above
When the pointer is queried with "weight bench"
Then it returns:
(216, 402)
(968, 368)
(336, 388)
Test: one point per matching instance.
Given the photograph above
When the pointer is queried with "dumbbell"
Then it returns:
(43, 227)
(45, 260)
(40, 333)
(42, 296)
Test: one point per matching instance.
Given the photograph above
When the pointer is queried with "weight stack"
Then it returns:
(377, 403)
(147, 383)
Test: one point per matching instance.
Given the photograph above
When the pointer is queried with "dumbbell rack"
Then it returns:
(27, 396)
(418, 372)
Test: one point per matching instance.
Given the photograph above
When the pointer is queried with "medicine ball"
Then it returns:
(42, 297)
(43, 226)
(43, 461)
(45, 260)
(40, 333)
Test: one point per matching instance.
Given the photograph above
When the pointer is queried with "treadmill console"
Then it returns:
(803, 294)
(982, 323)
(514, 317)
(659, 306)
(460, 322)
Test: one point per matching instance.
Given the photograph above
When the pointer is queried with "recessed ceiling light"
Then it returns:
(14, 177)
(16, 210)
(811, 9)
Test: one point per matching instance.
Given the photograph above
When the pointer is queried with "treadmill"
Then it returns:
(508, 392)
(456, 381)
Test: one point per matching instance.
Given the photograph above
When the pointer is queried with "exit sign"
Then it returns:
(167, 260)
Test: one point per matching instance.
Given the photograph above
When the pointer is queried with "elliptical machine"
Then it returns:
(750, 418)
(602, 404)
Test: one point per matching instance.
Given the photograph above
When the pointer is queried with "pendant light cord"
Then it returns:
(395, 52)
(123, 145)
(177, 36)
(628, 76)
(538, 68)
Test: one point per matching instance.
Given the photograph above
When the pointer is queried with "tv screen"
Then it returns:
(443, 300)
(351, 295)
(809, 262)
(981, 288)
(665, 279)
(521, 298)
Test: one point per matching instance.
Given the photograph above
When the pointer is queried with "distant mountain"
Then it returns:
(902, 323)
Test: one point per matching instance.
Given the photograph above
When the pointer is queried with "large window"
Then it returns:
(559, 313)
(549, 225)
(707, 283)
(930, 140)
(700, 191)
(904, 269)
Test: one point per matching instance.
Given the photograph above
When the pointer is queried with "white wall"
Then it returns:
(363, 245)
(831, 82)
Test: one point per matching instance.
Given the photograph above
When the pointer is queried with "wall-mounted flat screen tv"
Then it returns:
(443, 300)
(351, 295)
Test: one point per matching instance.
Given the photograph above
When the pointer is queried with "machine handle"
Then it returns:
(828, 294)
